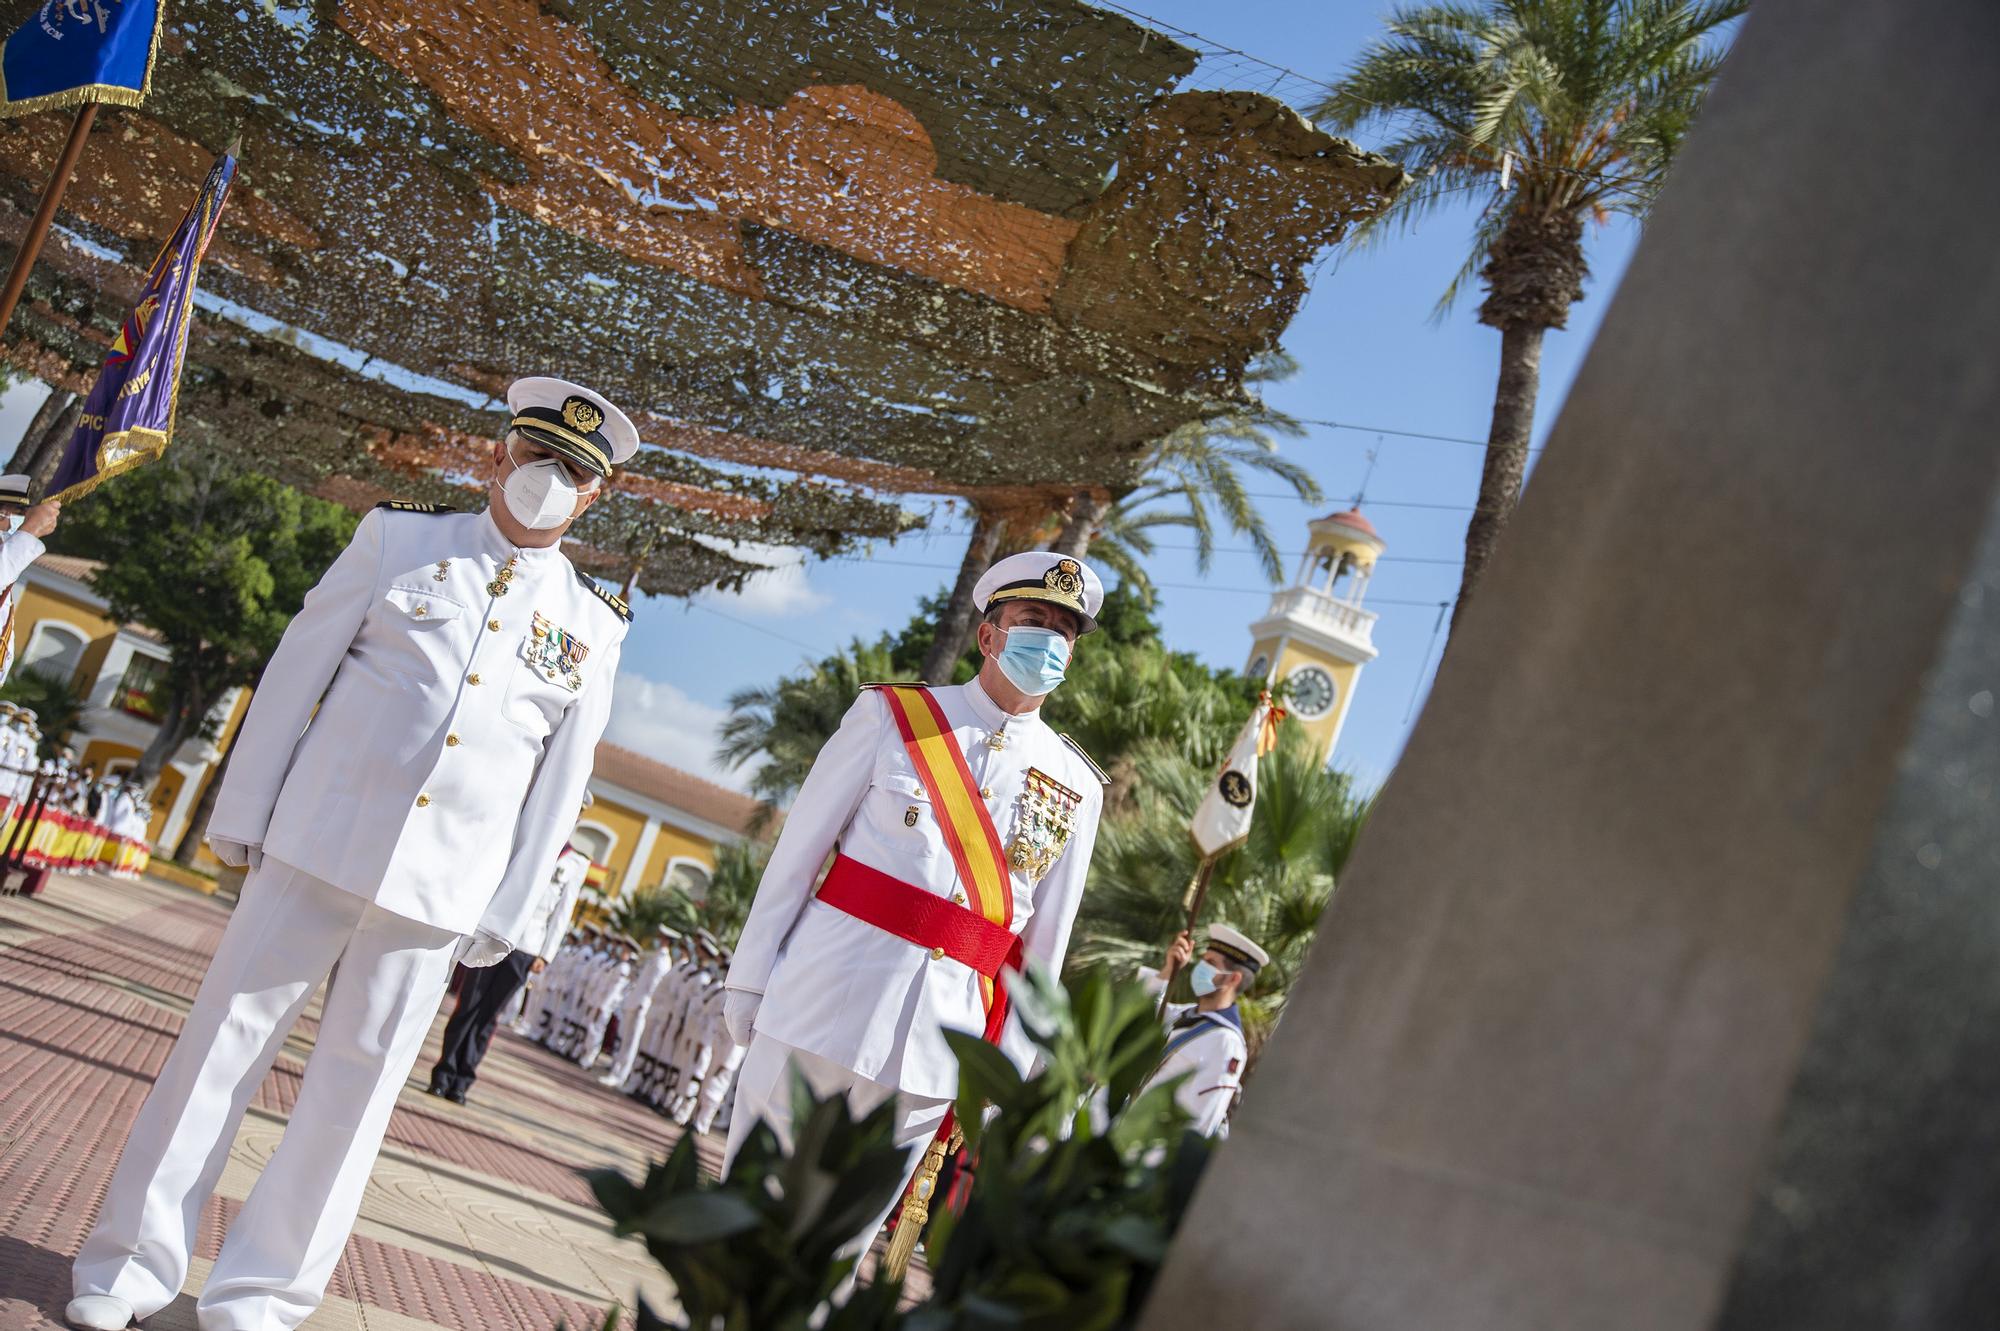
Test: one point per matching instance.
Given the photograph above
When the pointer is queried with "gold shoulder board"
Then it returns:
(616, 602)
(1088, 761)
(411, 506)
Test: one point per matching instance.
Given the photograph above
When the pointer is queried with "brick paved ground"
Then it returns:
(475, 1220)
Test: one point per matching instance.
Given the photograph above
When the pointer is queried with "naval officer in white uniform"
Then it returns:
(1205, 1044)
(408, 770)
(857, 1010)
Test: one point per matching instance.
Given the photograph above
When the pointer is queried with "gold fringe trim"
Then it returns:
(151, 453)
(110, 94)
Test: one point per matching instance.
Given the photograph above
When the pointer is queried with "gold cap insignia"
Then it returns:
(581, 414)
(1065, 579)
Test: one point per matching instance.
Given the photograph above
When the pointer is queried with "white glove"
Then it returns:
(478, 950)
(739, 1013)
(235, 854)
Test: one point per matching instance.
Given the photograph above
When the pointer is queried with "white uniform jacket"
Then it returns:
(16, 552)
(862, 997)
(443, 769)
(1209, 1050)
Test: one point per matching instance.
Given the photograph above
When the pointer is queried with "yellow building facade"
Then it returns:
(63, 628)
(648, 824)
(1316, 636)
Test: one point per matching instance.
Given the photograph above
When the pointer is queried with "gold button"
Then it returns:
(986, 792)
(472, 679)
(493, 624)
(421, 610)
(423, 800)
(958, 898)
(937, 954)
(451, 741)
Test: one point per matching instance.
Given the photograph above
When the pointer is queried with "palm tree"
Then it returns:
(1275, 887)
(1200, 462)
(639, 914)
(1193, 467)
(55, 700)
(786, 723)
(1562, 112)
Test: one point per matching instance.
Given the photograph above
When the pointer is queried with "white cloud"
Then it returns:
(655, 718)
(781, 592)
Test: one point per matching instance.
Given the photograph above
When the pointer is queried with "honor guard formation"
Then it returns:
(655, 1013)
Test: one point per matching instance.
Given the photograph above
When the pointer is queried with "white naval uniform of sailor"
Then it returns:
(858, 1010)
(632, 1015)
(17, 551)
(1208, 1053)
(426, 797)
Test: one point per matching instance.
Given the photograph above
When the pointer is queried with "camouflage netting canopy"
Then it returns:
(826, 254)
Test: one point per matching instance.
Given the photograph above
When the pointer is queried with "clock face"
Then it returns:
(1312, 692)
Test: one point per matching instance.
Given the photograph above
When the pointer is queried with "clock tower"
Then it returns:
(1316, 637)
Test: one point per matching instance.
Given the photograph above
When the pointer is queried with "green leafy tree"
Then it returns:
(1275, 887)
(1558, 113)
(1124, 688)
(214, 560)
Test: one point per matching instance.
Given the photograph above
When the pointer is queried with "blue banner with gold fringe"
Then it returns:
(128, 418)
(74, 51)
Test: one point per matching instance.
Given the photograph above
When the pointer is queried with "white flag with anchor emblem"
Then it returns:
(1223, 820)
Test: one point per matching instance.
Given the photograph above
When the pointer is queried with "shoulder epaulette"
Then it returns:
(895, 684)
(612, 599)
(1088, 761)
(411, 506)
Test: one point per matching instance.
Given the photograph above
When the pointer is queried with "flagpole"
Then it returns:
(38, 229)
(1195, 897)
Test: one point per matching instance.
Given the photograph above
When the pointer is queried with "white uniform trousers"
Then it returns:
(286, 933)
(631, 1028)
(764, 1091)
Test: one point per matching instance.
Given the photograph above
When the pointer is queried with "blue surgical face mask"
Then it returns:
(1034, 659)
(1203, 978)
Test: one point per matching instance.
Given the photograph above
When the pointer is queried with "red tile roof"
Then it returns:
(677, 789)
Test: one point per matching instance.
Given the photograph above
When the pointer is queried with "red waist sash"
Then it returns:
(928, 920)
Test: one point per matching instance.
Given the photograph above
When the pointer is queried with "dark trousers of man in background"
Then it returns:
(484, 997)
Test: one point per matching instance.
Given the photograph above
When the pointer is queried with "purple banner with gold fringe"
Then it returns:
(128, 419)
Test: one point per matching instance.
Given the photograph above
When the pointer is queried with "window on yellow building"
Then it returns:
(143, 689)
(55, 650)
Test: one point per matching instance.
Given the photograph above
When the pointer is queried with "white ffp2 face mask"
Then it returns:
(540, 495)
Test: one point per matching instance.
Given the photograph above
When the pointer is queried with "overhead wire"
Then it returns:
(1209, 46)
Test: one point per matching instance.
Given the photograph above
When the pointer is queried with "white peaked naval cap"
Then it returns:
(13, 490)
(1237, 947)
(1043, 575)
(575, 421)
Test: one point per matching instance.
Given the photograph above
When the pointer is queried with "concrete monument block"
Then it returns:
(1661, 991)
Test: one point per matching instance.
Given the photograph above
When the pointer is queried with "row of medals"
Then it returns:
(1048, 812)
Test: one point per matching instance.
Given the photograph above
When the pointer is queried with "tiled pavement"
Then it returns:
(476, 1218)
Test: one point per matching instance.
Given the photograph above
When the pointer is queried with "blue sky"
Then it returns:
(1370, 354)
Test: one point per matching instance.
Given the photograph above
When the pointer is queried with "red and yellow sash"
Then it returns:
(961, 812)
